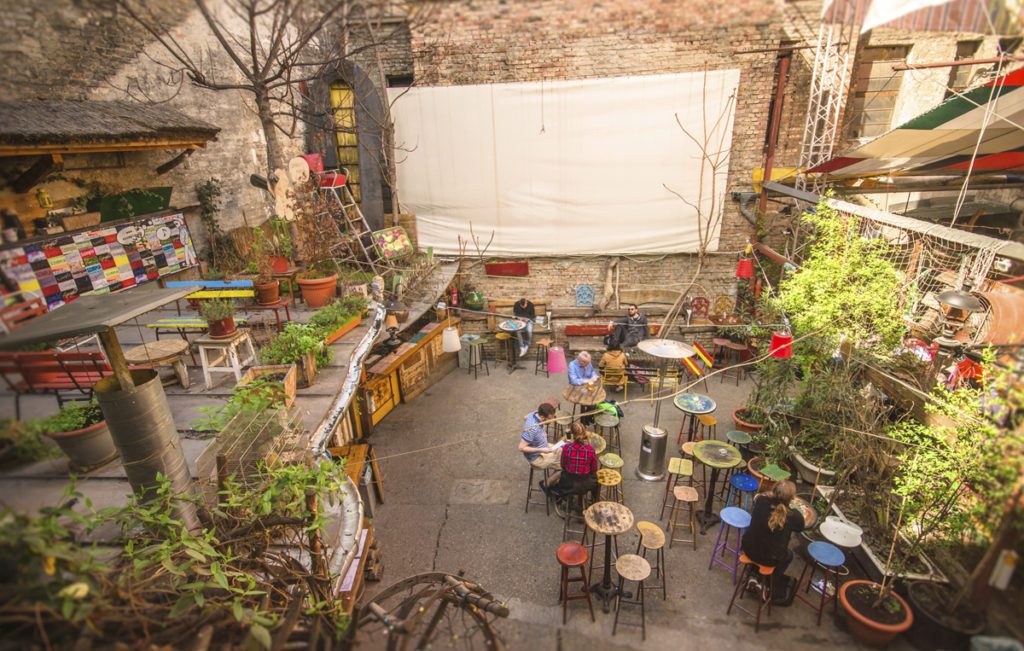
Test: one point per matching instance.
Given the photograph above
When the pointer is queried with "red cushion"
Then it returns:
(332, 180)
(315, 162)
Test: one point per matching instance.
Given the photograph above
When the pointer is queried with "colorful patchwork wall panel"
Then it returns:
(100, 260)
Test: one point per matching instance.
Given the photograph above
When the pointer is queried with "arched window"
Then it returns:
(346, 134)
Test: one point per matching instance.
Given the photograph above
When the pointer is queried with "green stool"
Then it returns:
(611, 460)
(607, 425)
(741, 440)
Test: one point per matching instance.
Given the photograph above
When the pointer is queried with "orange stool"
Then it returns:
(765, 594)
(573, 555)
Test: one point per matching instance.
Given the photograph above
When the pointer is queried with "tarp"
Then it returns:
(941, 141)
(567, 167)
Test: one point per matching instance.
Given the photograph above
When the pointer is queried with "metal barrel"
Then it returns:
(652, 453)
(143, 430)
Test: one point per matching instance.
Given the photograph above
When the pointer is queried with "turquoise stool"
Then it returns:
(737, 520)
(607, 425)
(745, 486)
(827, 558)
(740, 440)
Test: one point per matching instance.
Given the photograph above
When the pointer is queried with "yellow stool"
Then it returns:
(707, 426)
(677, 468)
(611, 485)
(683, 495)
(501, 348)
(652, 539)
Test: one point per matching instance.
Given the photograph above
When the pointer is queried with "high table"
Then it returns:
(512, 326)
(584, 395)
(608, 519)
(693, 404)
(716, 455)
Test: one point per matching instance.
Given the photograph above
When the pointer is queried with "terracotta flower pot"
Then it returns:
(343, 330)
(87, 448)
(866, 629)
(268, 293)
(766, 484)
(279, 264)
(317, 292)
(222, 328)
(745, 426)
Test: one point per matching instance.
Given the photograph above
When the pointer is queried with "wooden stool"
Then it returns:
(732, 356)
(607, 425)
(574, 507)
(501, 347)
(745, 486)
(652, 538)
(683, 495)
(765, 593)
(222, 355)
(168, 352)
(737, 520)
(476, 357)
(611, 486)
(557, 427)
(541, 363)
(707, 426)
(611, 460)
(573, 555)
(685, 428)
(530, 488)
(677, 468)
(631, 567)
(686, 451)
(827, 558)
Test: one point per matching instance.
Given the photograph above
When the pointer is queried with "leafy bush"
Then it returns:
(21, 442)
(255, 396)
(288, 347)
(72, 416)
(334, 315)
(217, 309)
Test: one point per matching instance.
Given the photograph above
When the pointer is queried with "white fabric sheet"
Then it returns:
(568, 167)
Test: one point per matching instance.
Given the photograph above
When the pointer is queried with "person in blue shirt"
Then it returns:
(533, 443)
(581, 371)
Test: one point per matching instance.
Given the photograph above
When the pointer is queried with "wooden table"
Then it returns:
(512, 327)
(608, 519)
(716, 455)
(168, 352)
(584, 395)
(289, 275)
(280, 304)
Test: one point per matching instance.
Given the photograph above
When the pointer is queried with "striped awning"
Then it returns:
(942, 141)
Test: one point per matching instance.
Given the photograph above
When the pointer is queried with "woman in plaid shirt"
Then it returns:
(579, 464)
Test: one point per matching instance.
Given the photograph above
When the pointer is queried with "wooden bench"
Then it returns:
(53, 372)
(20, 314)
(215, 288)
(185, 324)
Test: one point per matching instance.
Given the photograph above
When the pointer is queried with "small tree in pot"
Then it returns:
(219, 314)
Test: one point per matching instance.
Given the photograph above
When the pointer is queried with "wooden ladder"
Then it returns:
(350, 220)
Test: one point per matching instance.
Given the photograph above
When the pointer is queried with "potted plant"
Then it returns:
(254, 396)
(219, 314)
(282, 250)
(267, 287)
(317, 231)
(278, 378)
(875, 614)
(301, 345)
(338, 318)
(81, 432)
(21, 443)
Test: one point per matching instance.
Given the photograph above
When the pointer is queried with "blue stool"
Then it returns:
(827, 558)
(737, 520)
(745, 486)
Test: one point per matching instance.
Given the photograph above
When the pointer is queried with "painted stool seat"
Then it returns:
(572, 554)
(735, 517)
(689, 494)
(687, 448)
(826, 553)
(741, 481)
(604, 419)
(632, 567)
(774, 472)
(502, 336)
(762, 569)
(679, 466)
(707, 420)
(651, 535)
(737, 437)
(608, 477)
(611, 460)
(543, 341)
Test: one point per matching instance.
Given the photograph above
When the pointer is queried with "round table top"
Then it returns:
(694, 403)
(608, 518)
(666, 348)
(587, 395)
(512, 325)
(156, 351)
(717, 454)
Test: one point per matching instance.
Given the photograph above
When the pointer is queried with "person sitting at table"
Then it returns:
(533, 442)
(614, 360)
(524, 311)
(629, 330)
(581, 371)
(766, 540)
(579, 464)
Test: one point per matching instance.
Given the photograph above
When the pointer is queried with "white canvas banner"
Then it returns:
(568, 167)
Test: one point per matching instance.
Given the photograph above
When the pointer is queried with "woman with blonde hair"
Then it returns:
(579, 463)
(766, 540)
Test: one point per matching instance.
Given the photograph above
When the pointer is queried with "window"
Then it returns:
(960, 76)
(876, 86)
(346, 135)
(400, 81)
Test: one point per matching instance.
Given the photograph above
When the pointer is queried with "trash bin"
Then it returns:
(652, 453)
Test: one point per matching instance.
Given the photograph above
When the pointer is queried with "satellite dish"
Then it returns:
(298, 171)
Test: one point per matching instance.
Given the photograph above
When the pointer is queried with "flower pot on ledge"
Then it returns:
(869, 624)
(344, 329)
(317, 292)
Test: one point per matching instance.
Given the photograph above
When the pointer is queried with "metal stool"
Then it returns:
(530, 488)
(631, 567)
(745, 487)
(740, 440)
(683, 495)
(827, 558)
(764, 594)
(707, 426)
(732, 356)
(677, 468)
(574, 506)
(686, 451)
(573, 555)
(607, 425)
(476, 357)
(611, 460)
(652, 538)
(737, 520)
(541, 361)
(502, 348)
(689, 424)
(610, 482)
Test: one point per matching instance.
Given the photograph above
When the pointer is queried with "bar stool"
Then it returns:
(574, 506)
(607, 425)
(826, 558)
(686, 451)
(764, 594)
(611, 460)
(740, 440)
(631, 567)
(689, 496)
(733, 355)
(745, 486)
(652, 539)
(686, 426)
(541, 361)
(476, 357)
(571, 555)
(707, 426)
(502, 348)
(677, 468)
(610, 482)
(530, 488)
(736, 520)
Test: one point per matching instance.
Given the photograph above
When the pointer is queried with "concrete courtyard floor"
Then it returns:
(455, 488)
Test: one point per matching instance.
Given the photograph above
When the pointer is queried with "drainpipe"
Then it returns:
(782, 68)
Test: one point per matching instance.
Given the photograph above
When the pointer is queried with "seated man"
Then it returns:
(766, 540)
(581, 371)
(629, 330)
(523, 310)
(533, 443)
(579, 464)
(614, 360)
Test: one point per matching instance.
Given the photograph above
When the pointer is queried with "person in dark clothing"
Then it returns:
(579, 464)
(629, 330)
(524, 310)
(766, 540)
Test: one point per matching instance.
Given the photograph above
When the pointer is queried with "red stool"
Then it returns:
(765, 596)
(573, 555)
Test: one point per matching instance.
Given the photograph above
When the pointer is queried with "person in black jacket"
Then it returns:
(766, 540)
(524, 311)
(629, 330)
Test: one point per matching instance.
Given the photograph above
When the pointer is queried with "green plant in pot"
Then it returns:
(267, 287)
(335, 319)
(81, 432)
(765, 417)
(301, 345)
(219, 314)
(21, 443)
(282, 249)
(316, 232)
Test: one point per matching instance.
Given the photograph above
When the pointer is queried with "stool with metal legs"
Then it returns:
(764, 593)
(540, 365)
(733, 520)
(530, 488)
(610, 482)
(677, 468)
(683, 495)
(707, 426)
(745, 487)
(652, 539)
(607, 425)
(476, 357)
(572, 555)
(631, 567)
(827, 559)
